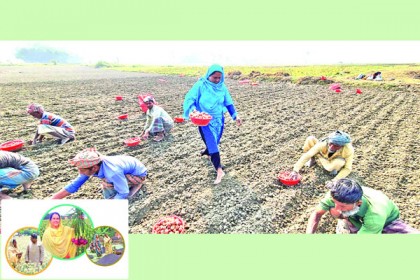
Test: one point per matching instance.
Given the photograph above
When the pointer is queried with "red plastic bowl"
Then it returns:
(119, 97)
(338, 90)
(358, 91)
(179, 120)
(123, 117)
(13, 145)
(131, 142)
(167, 223)
(284, 178)
(200, 122)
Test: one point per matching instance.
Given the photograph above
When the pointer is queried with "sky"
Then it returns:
(232, 53)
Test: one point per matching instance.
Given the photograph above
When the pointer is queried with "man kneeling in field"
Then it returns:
(122, 176)
(51, 124)
(335, 153)
(359, 210)
(158, 121)
(16, 170)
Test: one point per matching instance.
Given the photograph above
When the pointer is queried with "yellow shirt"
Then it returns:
(321, 150)
(58, 241)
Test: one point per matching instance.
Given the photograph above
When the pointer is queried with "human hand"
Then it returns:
(145, 135)
(294, 175)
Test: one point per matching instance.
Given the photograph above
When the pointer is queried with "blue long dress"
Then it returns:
(213, 99)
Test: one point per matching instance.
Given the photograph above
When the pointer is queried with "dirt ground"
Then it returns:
(278, 116)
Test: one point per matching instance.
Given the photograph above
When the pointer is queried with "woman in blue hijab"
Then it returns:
(210, 94)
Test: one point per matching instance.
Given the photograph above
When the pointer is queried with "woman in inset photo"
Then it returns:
(109, 238)
(25, 253)
(66, 232)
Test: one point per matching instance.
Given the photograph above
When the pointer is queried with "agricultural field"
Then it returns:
(383, 122)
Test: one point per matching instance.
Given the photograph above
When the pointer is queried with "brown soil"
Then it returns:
(277, 118)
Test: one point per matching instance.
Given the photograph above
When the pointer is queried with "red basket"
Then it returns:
(284, 178)
(169, 224)
(123, 117)
(179, 120)
(200, 122)
(118, 97)
(131, 142)
(13, 145)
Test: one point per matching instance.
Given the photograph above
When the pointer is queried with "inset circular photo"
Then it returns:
(25, 252)
(66, 230)
(107, 246)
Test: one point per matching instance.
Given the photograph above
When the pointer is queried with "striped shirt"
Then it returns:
(14, 160)
(55, 120)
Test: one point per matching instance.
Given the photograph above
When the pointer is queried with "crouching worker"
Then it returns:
(51, 124)
(122, 176)
(158, 122)
(335, 154)
(16, 170)
(359, 210)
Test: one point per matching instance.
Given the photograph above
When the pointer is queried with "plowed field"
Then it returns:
(384, 126)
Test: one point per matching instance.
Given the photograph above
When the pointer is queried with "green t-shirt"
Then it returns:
(376, 211)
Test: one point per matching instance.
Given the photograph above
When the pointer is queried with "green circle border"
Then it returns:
(67, 204)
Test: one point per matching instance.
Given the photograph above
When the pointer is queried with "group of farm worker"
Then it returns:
(360, 209)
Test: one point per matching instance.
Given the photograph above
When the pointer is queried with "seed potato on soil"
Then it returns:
(277, 117)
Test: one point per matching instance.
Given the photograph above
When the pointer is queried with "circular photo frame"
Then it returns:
(66, 231)
(25, 253)
(107, 246)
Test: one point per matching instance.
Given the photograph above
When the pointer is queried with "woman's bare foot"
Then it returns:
(220, 175)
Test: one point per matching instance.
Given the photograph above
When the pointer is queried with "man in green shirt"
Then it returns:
(360, 209)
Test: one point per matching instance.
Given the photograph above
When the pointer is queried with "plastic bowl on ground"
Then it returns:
(200, 121)
(284, 178)
(358, 91)
(132, 142)
(338, 90)
(123, 117)
(13, 145)
(179, 120)
(118, 97)
(169, 224)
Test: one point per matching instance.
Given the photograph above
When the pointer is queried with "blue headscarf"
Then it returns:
(339, 138)
(210, 71)
(207, 96)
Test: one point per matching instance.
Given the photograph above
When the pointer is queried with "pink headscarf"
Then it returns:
(86, 158)
(32, 108)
